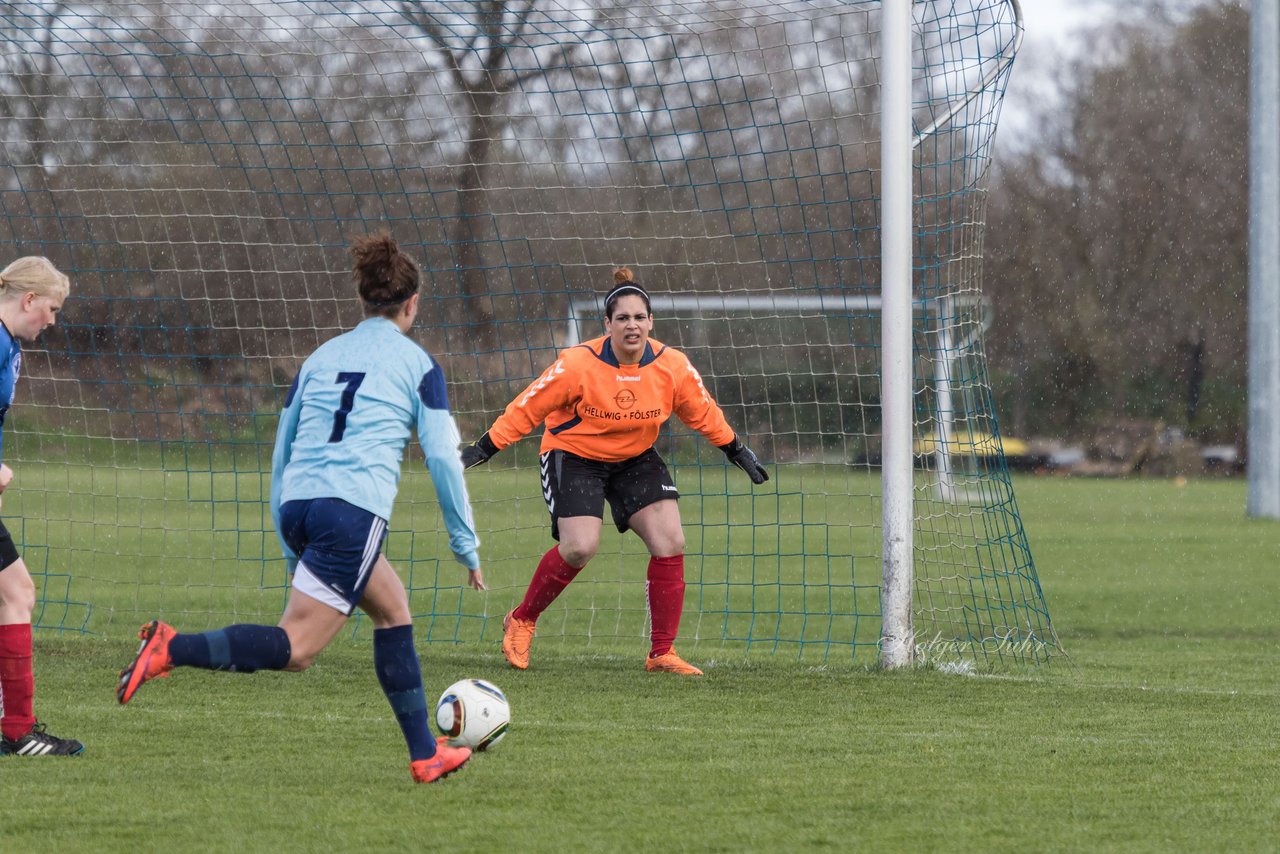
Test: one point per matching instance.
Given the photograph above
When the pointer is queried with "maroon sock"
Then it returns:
(17, 682)
(666, 600)
(549, 580)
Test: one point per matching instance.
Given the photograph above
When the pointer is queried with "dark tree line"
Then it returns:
(1116, 250)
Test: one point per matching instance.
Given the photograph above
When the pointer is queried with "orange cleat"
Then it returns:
(670, 662)
(445, 762)
(517, 636)
(152, 660)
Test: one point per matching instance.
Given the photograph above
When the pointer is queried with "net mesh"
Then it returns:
(199, 169)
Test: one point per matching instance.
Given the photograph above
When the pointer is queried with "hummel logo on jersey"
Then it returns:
(623, 379)
(697, 376)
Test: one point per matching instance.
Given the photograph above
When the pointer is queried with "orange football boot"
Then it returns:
(152, 660)
(670, 662)
(445, 762)
(517, 636)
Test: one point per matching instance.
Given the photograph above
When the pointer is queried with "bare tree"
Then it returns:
(28, 94)
(1120, 241)
(487, 55)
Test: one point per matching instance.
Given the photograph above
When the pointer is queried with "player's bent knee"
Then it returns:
(390, 619)
(18, 600)
(303, 652)
(578, 554)
(298, 663)
(668, 545)
(26, 601)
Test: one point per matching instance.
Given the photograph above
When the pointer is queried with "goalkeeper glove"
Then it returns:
(743, 457)
(480, 452)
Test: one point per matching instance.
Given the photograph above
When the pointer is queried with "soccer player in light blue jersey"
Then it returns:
(334, 474)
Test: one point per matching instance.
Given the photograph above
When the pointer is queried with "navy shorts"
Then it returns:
(8, 551)
(575, 486)
(337, 545)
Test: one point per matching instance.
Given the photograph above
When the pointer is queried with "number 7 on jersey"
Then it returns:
(352, 381)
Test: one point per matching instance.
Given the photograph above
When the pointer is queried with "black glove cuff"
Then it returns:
(733, 447)
(485, 444)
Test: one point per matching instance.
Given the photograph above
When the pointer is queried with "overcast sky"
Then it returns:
(1055, 22)
(1053, 28)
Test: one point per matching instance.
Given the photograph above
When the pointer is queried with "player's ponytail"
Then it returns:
(34, 274)
(624, 283)
(385, 276)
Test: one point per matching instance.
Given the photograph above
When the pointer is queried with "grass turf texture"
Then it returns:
(1157, 735)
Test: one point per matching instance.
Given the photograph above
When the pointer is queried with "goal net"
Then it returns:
(199, 169)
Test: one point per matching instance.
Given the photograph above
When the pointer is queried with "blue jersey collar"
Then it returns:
(12, 343)
(607, 355)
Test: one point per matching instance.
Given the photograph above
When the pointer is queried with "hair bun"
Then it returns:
(623, 275)
(384, 275)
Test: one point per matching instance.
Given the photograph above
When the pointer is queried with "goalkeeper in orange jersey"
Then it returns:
(604, 403)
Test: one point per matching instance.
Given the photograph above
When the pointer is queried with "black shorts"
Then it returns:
(575, 486)
(8, 551)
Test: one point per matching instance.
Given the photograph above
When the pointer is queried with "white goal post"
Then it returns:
(897, 143)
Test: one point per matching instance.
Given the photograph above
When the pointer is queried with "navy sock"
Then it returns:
(242, 649)
(396, 662)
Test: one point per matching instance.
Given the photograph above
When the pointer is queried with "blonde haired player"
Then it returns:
(32, 291)
(604, 403)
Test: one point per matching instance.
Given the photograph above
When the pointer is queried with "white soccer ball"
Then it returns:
(473, 713)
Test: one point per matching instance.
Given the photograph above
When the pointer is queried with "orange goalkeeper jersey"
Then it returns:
(599, 409)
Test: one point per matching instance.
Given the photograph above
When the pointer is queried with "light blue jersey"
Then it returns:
(348, 418)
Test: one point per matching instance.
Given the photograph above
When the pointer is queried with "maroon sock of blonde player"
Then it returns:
(17, 682)
(666, 600)
(549, 580)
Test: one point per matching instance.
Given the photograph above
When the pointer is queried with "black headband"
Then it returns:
(387, 303)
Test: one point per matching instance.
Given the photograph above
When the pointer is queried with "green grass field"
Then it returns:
(1156, 733)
